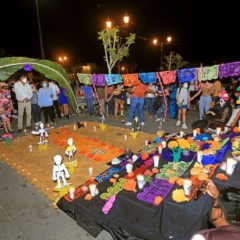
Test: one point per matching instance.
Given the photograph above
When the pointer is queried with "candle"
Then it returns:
(199, 156)
(90, 170)
(94, 128)
(71, 192)
(160, 149)
(218, 130)
(30, 148)
(125, 137)
(74, 127)
(146, 142)
(194, 133)
(156, 160)
(85, 124)
(181, 134)
(164, 144)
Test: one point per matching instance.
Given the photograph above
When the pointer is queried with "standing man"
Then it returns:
(56, 91)
(137, 102)
(24, 94)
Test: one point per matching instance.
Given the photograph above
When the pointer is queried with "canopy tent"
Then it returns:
(51, 70)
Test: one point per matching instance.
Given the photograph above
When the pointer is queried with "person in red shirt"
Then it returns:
(137, 102)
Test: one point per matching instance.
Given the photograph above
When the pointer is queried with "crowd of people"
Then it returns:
(31, 98)
(115, 101)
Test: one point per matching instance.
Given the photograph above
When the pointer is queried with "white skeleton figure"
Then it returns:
(70, 150)
(42, 133)
(59, 171)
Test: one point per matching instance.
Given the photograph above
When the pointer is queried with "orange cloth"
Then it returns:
(130, 79)
(139, 90)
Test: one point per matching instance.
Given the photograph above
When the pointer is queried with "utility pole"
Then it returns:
(39, 30)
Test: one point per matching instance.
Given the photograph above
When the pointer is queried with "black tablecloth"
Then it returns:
(131, 218)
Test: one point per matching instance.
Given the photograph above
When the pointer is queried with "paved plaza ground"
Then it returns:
(25, 214)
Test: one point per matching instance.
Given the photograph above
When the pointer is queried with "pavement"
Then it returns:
(25, 214)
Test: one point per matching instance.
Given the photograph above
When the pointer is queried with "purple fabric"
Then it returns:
(229, 70)
(167, 155)
(186, 75)
(99, 80)
(158, 187)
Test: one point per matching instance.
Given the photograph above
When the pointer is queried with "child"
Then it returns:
(183, 102)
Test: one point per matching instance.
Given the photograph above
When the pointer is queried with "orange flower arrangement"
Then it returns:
(183, 143)
(173, 144)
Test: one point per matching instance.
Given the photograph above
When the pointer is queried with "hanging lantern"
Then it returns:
(27, 67)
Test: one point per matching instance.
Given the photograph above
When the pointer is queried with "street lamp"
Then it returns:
(62, 59)
(126, 19)
(108, 24)
(155, 42)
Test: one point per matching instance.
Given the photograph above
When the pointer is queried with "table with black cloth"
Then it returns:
(130, 218)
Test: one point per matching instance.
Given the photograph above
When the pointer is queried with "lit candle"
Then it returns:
(125, 137)
(74, 127)
(194, 133)
(160, 149)
(218, 130)
(85, 124)
(94, 128)
(30, 148)
(164, 144)
(71, 192)
(181, 134)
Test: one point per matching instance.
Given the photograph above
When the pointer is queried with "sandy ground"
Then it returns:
(94, 149)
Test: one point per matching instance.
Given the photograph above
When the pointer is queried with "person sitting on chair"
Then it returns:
(225, 215)
(217, 116)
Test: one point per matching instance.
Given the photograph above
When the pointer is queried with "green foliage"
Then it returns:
(114, 48)
(51, 70)
(177, 61)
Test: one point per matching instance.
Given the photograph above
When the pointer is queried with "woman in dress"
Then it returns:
(5, 108)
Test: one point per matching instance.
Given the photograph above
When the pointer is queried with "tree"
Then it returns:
(115, 50)
(174, 61)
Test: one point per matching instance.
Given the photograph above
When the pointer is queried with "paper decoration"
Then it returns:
(149, 77)
(229, 70)
(113, 78)
(168, 77)
(130, 79)
(99, 80)
(158, 187)
(86, 79)
(186, 75)
(207, 73)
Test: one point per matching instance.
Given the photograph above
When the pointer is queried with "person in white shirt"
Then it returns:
(24, 94)
(183, 102)
(56, 91)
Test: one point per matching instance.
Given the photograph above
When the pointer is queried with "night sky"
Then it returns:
(202, 31)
